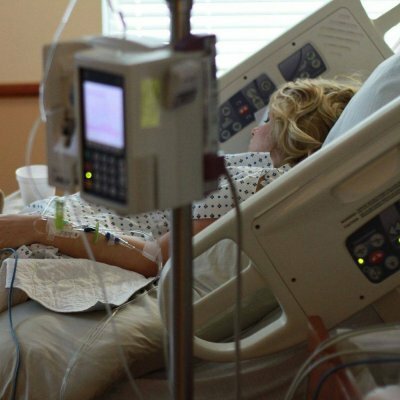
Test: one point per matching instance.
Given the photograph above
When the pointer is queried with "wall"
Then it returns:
(17, 116)
(25, 26)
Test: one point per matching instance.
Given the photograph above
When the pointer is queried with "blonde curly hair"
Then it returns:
(303, 112)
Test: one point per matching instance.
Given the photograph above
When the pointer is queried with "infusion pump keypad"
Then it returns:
(105, 175)
(375, 247)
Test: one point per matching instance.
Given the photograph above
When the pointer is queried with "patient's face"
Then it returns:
(261, 141)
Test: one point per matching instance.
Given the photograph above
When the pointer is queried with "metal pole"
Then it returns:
(181, 339)
(181, 326)
(180, 19)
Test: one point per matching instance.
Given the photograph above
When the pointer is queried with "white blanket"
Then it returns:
(69, 285)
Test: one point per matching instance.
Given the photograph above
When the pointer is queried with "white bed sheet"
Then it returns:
(76, 356)
(70, 285)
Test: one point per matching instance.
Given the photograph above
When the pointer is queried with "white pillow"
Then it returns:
(382, 86)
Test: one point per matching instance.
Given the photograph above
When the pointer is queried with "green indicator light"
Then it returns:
(361, 261)
(88, 175)
(398, 240)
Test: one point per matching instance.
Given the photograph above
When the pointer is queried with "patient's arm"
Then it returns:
(17, 230)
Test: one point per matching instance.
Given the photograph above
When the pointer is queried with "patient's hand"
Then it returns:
(16, 230)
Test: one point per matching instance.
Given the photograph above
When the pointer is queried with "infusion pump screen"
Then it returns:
(104, 114)
(104, 164)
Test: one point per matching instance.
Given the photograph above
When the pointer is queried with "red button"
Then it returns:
(376, 257)
(243, 110)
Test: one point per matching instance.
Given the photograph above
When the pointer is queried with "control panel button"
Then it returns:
(236, 127)
(374, 273)
(377, 240)
(391, 262)
(395, 229)
(224, 135)
(376, 257)
(225, 111)
(360, 250)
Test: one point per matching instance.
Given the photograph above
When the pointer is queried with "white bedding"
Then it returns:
(76, 356)
(65, 284)
(70, 285)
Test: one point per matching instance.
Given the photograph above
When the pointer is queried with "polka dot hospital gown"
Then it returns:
(246, 169)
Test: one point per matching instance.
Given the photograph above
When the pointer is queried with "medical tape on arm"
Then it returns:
(152, 251)
(67, 231)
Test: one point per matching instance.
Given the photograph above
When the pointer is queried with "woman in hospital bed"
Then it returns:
(301, 114)
(74, 355)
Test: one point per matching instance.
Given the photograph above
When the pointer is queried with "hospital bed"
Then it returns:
(328, 200)
(50, 355)
(328, 213)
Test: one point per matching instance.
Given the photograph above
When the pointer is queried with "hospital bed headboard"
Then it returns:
(325, 237)
(338, 39)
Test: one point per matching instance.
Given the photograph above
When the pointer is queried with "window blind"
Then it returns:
(242, 26)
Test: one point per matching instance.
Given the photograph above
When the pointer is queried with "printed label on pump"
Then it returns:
(150, 90)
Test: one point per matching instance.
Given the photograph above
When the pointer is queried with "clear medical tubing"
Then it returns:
(48, 62)
(312, 363)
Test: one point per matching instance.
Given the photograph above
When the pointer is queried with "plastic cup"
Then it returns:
(33, 183)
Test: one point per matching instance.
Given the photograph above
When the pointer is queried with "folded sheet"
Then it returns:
(71, 285)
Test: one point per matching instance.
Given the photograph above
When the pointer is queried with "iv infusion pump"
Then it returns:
(140, 113)
(126, 104)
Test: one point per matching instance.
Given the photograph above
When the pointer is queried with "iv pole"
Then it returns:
(181, 340)
(181, 324)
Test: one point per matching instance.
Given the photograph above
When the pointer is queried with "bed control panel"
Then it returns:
(375, 247)
(238, 111)
(304, 63)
